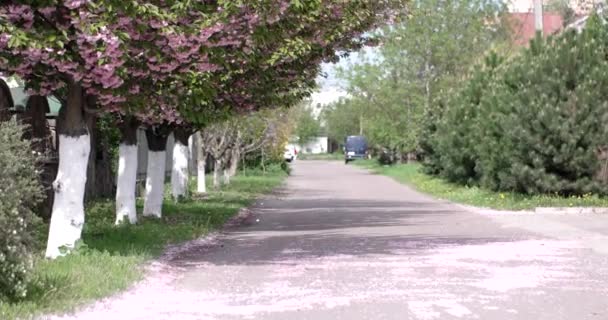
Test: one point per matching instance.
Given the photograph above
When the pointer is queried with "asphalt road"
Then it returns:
(340, 243)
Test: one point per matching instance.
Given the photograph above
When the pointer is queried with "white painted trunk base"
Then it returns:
(234, 164)
(216, 174)
(201, 184)
(226, 176)
(67, 218)
(179, 172)
(192, 143)
(126, 184)
(155, 184)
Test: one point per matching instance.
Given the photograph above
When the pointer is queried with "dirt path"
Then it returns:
(340, 243)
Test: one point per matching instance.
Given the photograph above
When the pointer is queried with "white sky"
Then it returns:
(331, 88)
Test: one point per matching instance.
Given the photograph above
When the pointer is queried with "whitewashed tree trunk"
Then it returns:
(216, 173)
(155, 184)
(179, 171)
(201, 185)
(192, 152)
(226, 176)
(234, 162)
(126, 184)
(67, 218)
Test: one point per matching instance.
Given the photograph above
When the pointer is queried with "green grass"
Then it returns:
(410, 174)
(111, 258)
(322, 156)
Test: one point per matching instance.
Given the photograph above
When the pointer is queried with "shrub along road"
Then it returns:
(341, 243)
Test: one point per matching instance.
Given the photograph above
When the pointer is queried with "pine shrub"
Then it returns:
(20, 191)
(547, 115)
(429, 139)
(534, 124)
(457, 134)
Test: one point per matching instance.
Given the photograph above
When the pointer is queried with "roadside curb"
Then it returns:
(537, 210)
(489, 211)
(571, 210)
(481, 210)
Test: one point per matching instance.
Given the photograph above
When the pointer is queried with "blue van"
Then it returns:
(355, 147)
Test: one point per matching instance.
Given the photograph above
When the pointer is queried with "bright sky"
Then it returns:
(331, 88)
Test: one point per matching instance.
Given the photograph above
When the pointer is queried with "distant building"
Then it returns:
(523, 29)
(521, 15)
(580, 7)
(316, 145)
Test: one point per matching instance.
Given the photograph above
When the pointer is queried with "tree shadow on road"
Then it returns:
(293, 230)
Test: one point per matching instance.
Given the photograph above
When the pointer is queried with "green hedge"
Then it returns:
(19, 192)
(458, 131)
(534, 124)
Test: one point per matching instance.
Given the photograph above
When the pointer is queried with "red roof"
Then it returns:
(522, 25)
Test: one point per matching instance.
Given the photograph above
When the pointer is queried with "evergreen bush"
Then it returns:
(534, 124)
(545, 117)
(428, 140)
(457, 133)
(20, 191)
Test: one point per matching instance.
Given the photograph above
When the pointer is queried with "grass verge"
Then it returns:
(410, 174)
(111, 258)
(322, 156)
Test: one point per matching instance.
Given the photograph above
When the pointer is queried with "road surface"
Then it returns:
(340, 243)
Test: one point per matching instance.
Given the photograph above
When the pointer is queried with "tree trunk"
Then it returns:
(89, 191)
(234, 162)
(263, 161)
(201, 165)
(127, 172)
(6, 101)
(35, 116)
(411, 157)
(179, 171)
(217, 167)
(201, 186)
(226, 176)
(67, 217)
(105, 179)
(360, 124)
(192, 153)
(39, 133)
(155, 179)
(100, 179)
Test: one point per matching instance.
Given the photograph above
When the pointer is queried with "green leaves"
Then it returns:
(420, 57)
(20, 192)
(307, 126)
(535, 123)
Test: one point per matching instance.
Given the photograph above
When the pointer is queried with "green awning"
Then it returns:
(20, 100)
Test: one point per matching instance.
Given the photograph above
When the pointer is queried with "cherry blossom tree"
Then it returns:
(140, 56)
(113, 50)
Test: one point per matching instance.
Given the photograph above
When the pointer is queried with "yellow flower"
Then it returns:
(502, 196)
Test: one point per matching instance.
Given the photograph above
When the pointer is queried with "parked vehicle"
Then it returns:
(289, 155)
(355, 147)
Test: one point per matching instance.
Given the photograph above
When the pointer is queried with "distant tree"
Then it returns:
(392, 90)
(342, 119)
(307, 126)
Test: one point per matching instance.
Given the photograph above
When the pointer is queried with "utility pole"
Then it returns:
(538, 15)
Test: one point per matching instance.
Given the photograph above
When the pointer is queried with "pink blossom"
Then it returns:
(74, 4)
(134, 89)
